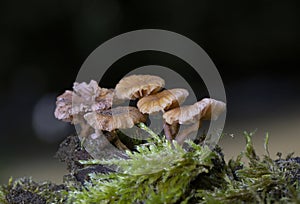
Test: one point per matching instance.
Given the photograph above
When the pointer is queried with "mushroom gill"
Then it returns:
(162, 101)
(137, 86)
(121, 117)
(205, 109)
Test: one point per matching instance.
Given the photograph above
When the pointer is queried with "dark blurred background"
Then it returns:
(254, 44)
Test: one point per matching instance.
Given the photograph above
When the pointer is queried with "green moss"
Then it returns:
(161, 172)
(2, 195)
(261, 181)
(158, 173)
(25, 190)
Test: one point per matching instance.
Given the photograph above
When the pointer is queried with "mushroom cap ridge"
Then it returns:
(121, 117)
(162, 101)
(205, 109)
(138, 86)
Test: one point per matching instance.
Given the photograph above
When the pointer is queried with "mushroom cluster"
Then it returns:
(91, 108)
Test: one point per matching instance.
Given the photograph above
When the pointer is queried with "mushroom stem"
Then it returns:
(85, 130)
(174, 129)
(167, 130)
(185, 133)
(116, 140)
(148, 130)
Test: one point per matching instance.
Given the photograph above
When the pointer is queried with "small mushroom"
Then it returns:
(84, 98)
(116, 118)
(203, 110)
(137, 86)
(72, 105)
(163, 101)
(212, 108)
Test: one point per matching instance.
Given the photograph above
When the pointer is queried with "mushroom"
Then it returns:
(72, 105)
(163, 101)
(212, 108)
(84, 98)
(203, 110)
(116, 118)
(137, 86)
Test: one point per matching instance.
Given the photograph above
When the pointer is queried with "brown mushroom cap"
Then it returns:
(183, 115)
(212, 108)
(162, 101)
(204, 109)
(138, 86)
(121, 117)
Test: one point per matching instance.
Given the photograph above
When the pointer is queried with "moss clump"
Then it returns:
(161, 172)
(2, 195)
(158, 172)
(261, 181)
(25, 190)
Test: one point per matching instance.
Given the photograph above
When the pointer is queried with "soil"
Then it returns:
(71, 152)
